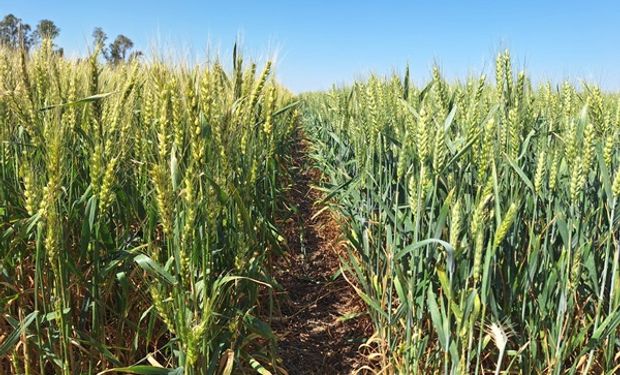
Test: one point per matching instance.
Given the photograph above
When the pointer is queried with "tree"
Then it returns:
(99, 37)
(117, 51)
(14, 32)
(46, 29)
(119, 48)
(135, 55)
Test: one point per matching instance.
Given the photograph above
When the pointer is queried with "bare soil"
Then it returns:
(322, 323)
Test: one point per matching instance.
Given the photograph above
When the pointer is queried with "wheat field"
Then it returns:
(482, 219)
(140, 206)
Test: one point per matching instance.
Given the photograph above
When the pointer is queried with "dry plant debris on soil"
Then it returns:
(321, 326)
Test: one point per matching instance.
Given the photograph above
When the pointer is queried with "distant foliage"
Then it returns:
(14, 33)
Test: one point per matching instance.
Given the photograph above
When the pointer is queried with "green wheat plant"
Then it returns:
(482, 220)
(137, 210)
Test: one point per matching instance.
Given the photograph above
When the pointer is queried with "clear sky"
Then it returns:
(319, 43)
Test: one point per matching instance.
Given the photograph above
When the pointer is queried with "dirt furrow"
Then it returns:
(321, 326)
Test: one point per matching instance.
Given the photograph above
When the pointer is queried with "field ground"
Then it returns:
(322, 323)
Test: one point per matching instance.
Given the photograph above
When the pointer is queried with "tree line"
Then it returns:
(15, 34)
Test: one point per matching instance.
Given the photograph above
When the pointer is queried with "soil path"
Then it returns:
(321, 326)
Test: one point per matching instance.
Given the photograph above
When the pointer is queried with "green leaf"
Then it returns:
(423, 243)
(12, 339)
(436, 317)
(334, 192)
(521, 174)
(258, 326)
(154, 269)
(448, 122)
(87, 99)
(370, 302)
(145, 370)
(607, 326)
(461, 152)
(258, 367)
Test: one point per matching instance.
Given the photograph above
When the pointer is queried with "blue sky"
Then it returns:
(319, 43)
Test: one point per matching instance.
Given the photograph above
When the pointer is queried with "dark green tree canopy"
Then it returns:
(46, 29)
(119, 48)
(117, 51)
(99, 37)
(14, 32)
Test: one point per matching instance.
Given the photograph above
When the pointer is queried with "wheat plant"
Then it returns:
(478, 213)
(137, 214)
